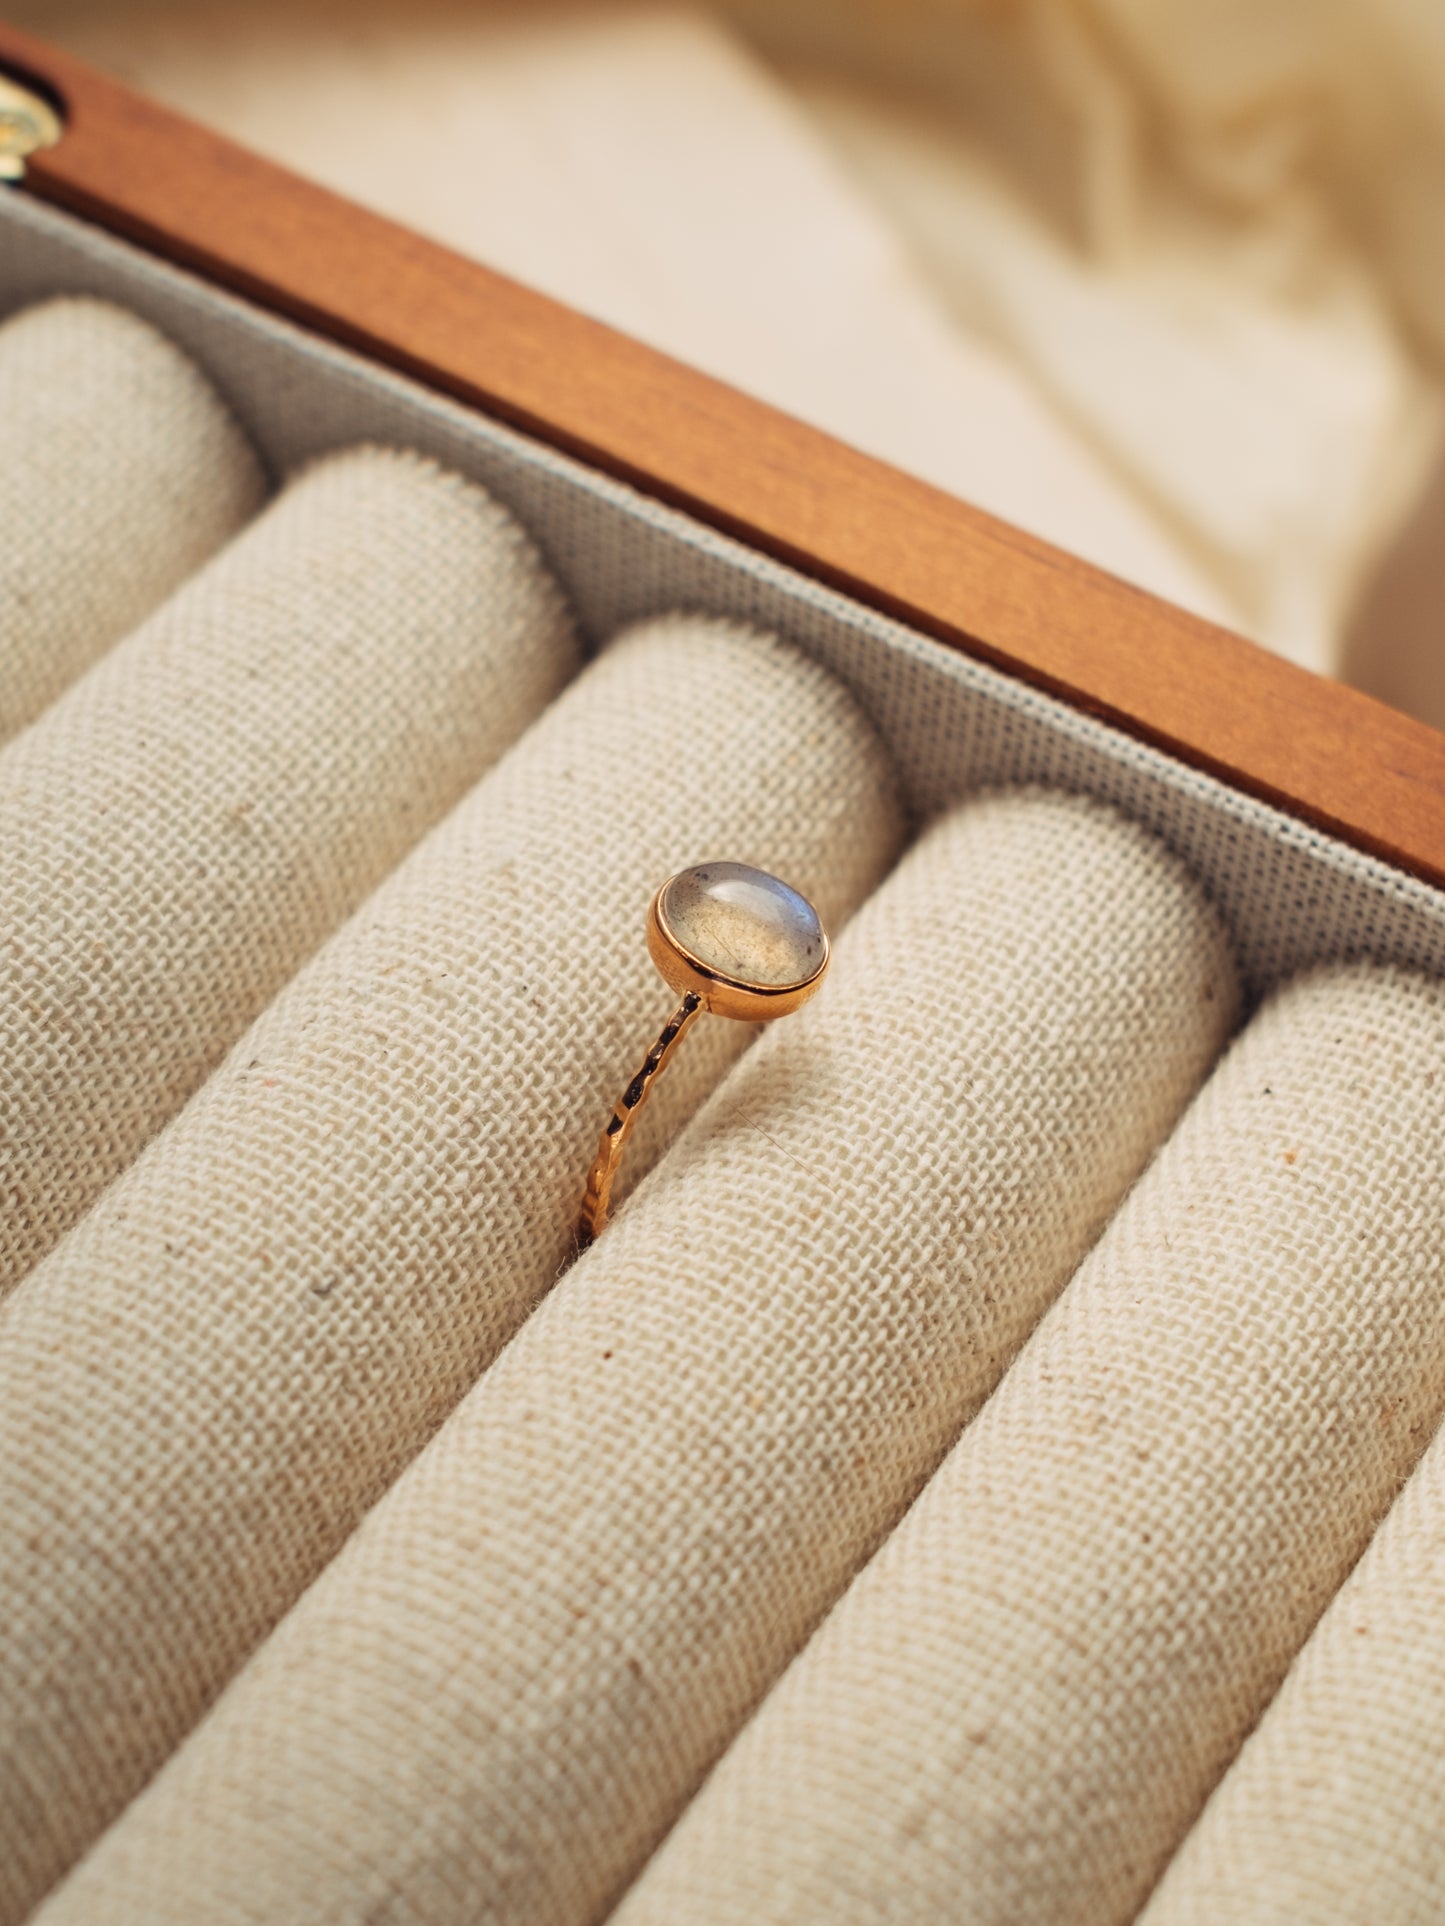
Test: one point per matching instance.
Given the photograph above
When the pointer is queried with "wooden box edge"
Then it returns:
(1323, 752)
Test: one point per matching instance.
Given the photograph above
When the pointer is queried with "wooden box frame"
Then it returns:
(1329, 755)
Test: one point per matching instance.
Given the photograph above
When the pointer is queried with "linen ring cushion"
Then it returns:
(182, 828)
(226, 1362)
(1334, 1811)
(124, 472)
(1020, 1705)
(501, 1693)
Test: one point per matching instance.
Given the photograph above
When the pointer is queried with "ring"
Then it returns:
(727, 939)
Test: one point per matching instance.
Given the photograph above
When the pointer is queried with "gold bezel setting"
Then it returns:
(720, 994)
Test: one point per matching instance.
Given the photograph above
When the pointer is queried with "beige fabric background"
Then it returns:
(503, 1690)
(1335, 1810)
(1018, 1708)
(1154, 281)
(207, 1383)
(183, 828)
(123, 474)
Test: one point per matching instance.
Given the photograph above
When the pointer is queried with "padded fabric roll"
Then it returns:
(124, 472)
(1018, 1708)
(1334, 1812)
(503, 1690)
(211, 1379)
(180, 831)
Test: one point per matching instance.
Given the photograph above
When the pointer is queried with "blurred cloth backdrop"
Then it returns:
(1161, 280)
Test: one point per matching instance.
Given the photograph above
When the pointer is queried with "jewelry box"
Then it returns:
(1312, 817)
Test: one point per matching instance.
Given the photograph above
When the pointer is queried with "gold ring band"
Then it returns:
(730, 940)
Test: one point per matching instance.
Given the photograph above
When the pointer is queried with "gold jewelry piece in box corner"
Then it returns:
(27, 124)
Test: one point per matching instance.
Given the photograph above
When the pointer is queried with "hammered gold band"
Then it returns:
(730, 940)
(597, 1201)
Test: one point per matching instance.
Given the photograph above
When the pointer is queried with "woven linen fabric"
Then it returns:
(1018, 1708)
(124, 473)
(200, 810)
(505, 1687)
(1334, 1812)
(225, 1363)
(1292, 894)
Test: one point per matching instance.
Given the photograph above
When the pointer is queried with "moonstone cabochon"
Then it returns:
(744, 925)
